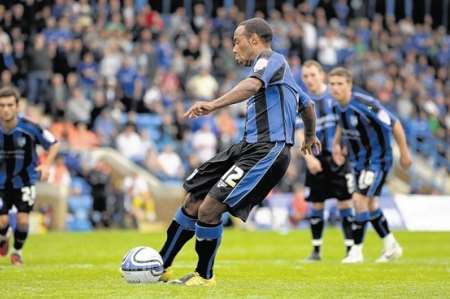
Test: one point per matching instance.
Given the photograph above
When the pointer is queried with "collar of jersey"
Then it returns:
(19, 119)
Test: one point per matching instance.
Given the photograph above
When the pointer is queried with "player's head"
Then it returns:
(250, 38)
(340, 80)
(9, 103)
(313, 75)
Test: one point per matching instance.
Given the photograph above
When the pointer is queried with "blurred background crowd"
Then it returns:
(120, 74)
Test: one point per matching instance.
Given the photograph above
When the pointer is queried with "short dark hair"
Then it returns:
(260, 27)
(341, 72)
(9, 91)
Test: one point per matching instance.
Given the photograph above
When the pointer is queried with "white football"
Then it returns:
(142, 265)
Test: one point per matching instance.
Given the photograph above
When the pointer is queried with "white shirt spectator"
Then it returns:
(328, 47)
(204, 143)
(170, 163)
(309, 35)
(203, 86)
(78, 107)
(129, 144)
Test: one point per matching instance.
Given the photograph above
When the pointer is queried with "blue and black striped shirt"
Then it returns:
(272, 111)
(18, 155)
(366, 130)
(327, 120)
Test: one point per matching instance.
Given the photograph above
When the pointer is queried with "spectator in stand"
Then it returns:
(127, 78)
(81, 138)
(204, 143)
(129, 143)
(39, 69)
(88, 71)
(203, 86)
(139, 200)
(100, 180)
(58, 173)
(58, 96)
(78, 107)
(170, 164)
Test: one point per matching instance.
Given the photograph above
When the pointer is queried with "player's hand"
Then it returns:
(313, 164)
(311, 145)
(405, 160)
(44, 170)
(338, 155)
(200, 108)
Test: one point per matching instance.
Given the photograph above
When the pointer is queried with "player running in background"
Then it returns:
(366, 128)
(19, 169)
(240, 177)
(325, 177)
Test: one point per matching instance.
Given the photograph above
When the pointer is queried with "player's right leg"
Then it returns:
(208, 231)
(316, 197)
(180, 230)
(355, 254)
(391, 248)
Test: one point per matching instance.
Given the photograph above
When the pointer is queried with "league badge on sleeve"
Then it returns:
(384, 117)
(260, 64)
(49, 136)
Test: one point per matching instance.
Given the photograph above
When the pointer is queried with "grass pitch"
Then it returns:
(249, 265)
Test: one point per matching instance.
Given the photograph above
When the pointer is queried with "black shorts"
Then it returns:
(241, 176)
(370, 182)
(332, 182)
(22, 199)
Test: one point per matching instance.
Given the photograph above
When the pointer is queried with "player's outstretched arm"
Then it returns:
(400, 139)
(311, 145)
(242, 91)
(44, 167)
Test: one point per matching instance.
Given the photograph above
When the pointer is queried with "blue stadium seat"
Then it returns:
(80, 183)
(148, 120)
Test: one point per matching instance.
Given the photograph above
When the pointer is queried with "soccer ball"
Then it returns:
(142, 265)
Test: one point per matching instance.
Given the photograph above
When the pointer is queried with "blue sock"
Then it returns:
(316, 223)
(208, 239)
(181, 230)
(379, 223)
(347, 221)
(359, 227)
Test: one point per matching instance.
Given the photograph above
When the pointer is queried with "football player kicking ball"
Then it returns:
(240, 177)
(325, 177)
(19, 172)
(366, 128)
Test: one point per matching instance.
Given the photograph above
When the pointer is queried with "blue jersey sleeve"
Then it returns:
(303, 100)
(266, 68)
(383, 115)
(44, 137)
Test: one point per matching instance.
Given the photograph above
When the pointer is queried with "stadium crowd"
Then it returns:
(119, 74)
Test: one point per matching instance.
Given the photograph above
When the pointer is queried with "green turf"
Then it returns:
(249, 265)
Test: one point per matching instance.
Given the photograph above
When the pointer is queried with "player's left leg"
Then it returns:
(391, 248)
(4, 227)
(5, 206)
(23, 200)
(346, 214)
